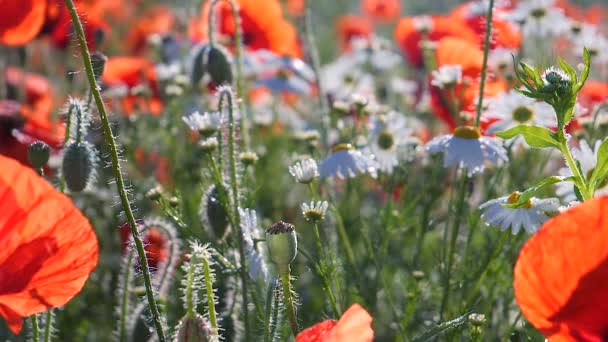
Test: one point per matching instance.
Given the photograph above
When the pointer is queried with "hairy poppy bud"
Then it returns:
(38, 154)
(282, 244)
(213, 213)
(193, 329)
(78, 166)
(98, 61)
(214, 61)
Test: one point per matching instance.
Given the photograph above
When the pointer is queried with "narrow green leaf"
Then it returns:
(531, 192)
(567, 68)
(601, 168)
(442, 328)
(585, 73)
(532, 74)
(535, 136)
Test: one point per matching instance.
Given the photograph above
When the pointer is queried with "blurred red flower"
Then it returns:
(381, 10)
(155, 243)
(561, 275)
(504, 33)
(48, 246)
(158, 19)
(353, 326)
(21, 20)
(262, 23)
(351, 26)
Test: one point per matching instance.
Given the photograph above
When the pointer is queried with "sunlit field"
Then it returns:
(308, 171)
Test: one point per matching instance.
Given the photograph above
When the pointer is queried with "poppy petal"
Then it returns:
(48, 246)
(21, 20)
(355, 325)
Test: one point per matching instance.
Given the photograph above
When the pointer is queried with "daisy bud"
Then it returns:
(78, 167)
(208, 145)
(282, 244)
(418, 275)
(304, 171)
(173, 201)
(155, 193)
(193, 329)
(38, 154)
(98, 61)
(315, 211)
(477, 319)
(248, 158)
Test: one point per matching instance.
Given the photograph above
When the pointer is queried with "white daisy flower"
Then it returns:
(512, 109)
(255, 254)
(539, 18)
(501, 60)
(206, 124)
(467, 148)
(530, 216)
(315, 211)
(587, 157)
(389, 138)
(304, 171)
(346, 162)
(591, 38)
(447, 76)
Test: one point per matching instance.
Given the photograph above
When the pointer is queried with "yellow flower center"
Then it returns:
(514, 197)
(538, 12)
(386, 140)
(522, 114)
(467, 132)
(341, 147)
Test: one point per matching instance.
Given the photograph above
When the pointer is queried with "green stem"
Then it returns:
(226, 95)
(268, 310)
(565, 149)
(116, 168)
(455, 230)
(210, 297)
(124, 300)
(291, 310)
(322, 274)
(48, 326)
(350, 255)
(35, 328)
(484, 66)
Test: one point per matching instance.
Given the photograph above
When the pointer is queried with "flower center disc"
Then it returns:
(386, 140)
(538, 12)
(522, 114)
(341, 147)
(514, 197)
(467, 132)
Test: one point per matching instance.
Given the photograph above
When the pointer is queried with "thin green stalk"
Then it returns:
(86, 56)
(48, 326)
(68, 125)
(484, 66)
(462, 191)
(350, 255)
(35, 328)
(291, 310)
(268, 310)
(226, 94)
(210, 297)
(585, 191)
(322, 274)
(124, 300)
(275, 310)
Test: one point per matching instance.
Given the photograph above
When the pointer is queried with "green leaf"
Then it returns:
(585, 73)
(535, 136)
(531, 192)
(532, 74)
(567, 68)
(442, 328)
(601, 168)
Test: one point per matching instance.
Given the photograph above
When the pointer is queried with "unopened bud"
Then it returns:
(282, 244)
(155, 193)
(38, 154)
(98, 61)
(213, 213)
(78, 166)
(193, 328)
(248, 158)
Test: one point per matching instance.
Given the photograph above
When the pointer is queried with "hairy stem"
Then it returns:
(48, 326)
(122, 192)
(210, 298)
(288, 298)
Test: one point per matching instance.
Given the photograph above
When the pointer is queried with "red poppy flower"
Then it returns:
(504, 33)
(262, 24)
(352, 26)
(62, 31)
(561, 275)
(381, 10)
(132, 72)
(48, 246)
(355, 325)
(593, 93)
(158, 19)
(410, 32)
(155, 242)
(23, 123)
(296, 8)
(20, 20)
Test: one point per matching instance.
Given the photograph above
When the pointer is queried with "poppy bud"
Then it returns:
(214, 61)
(193, 329)
(282, 244)
(98, 61)
(213, 213)
(78, 166)
(38, 154)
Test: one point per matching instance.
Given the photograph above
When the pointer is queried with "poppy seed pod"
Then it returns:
(282, 244)
(38, 154)
(78, 167)
(193, 329)
(98, 61)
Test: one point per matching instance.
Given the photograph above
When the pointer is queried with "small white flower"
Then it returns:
(467, 148)
(389, 139)
(587, 157)
(539, 18)
(206, 124)
(591, 38)
(530, 216)
(447, 76)
(304, 171)
(255, 254)
(512, 108)
(209, 144)
(315, 211)
(346, 162)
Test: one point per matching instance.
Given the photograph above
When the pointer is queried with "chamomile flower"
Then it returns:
(501, 60)
(587, 157)
(255, 255)
(315, 211)
(539, 18)
(593, 40)
(467, 148)
(512, 109)
(447, 76)
(304, 171)
(389, 137)
(346, 162)
(206, 124)
(530, 216)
